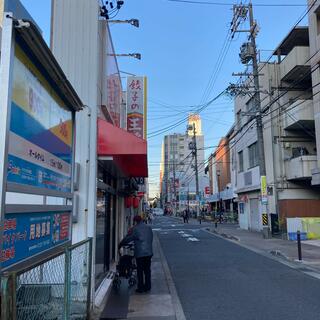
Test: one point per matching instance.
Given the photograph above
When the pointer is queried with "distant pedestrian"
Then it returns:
(220, 217)
(142, 238)
(184, 216)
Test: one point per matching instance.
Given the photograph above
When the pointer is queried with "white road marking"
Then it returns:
(181, 232)
(156, 229)
(192, 239)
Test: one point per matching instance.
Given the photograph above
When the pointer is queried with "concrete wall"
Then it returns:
(75, 44)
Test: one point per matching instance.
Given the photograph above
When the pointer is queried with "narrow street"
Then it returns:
(217, 279)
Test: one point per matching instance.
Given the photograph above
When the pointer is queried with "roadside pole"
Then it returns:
(196, 168)
(174, 187)
(241, 12)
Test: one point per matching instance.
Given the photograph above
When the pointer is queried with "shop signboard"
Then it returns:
(36, 146)
(136, 106)
(28, 234)
(40, 131)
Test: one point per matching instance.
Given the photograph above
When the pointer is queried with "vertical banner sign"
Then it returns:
(136, 113)
(114, 88)
(41, 130)
(263, 186)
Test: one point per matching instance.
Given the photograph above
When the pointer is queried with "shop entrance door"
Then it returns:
(254, 215)
(102, 249)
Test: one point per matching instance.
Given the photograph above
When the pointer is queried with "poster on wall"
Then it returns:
(136, 106)
(41, 130)
(28, 234)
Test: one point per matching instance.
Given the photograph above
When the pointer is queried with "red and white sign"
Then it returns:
(207, 190)
(136, 106)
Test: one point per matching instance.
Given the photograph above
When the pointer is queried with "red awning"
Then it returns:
(128, 151)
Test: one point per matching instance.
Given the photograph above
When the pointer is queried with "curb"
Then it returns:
(224, 235)
(278, 253)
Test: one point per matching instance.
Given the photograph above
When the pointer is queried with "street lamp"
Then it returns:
(134, 55)
(133, 22)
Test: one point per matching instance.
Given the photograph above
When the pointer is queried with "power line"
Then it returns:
(231, 4)
(159, 132)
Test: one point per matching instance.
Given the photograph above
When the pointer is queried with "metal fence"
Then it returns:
(58, 288)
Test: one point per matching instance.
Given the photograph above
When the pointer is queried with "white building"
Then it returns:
(289, 139)
(178, 164)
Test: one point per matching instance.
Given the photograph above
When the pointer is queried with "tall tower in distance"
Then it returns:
(195, 119)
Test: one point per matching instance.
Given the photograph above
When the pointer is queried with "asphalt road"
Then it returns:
(217, 279)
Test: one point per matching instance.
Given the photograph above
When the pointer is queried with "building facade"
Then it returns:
(178, 182)
(112, 162)
(289, 139)
(222, 197)
(314, 27)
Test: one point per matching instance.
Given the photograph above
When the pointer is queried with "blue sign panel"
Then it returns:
(28, 234)
(40, 152)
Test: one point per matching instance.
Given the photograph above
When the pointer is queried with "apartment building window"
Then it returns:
(240, 156)
(253, 155)
(317, 13)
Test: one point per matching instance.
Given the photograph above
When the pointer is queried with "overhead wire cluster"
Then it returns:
(110, 9)
(249, 126)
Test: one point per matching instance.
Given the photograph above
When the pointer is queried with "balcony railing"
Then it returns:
(300, 168)
(300, 115)
(296, 64)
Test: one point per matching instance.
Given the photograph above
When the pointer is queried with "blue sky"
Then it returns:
(180, 45)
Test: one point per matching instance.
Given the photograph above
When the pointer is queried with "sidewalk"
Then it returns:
(281, 248)
(161, 303)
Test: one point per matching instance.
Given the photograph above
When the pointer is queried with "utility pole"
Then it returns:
(249, 53)
(196, 168)
(174, 186)
(188, 200)
(262, 164)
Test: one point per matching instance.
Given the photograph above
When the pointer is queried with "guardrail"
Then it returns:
(57, 288)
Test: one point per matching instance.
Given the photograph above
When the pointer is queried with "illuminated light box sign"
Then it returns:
(28, 234)
(41, 130)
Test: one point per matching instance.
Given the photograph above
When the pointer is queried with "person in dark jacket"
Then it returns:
(141, 235)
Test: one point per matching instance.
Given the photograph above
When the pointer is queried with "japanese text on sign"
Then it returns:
(135, 106)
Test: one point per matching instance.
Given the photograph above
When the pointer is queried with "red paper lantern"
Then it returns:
(128, 202)
(136, 201)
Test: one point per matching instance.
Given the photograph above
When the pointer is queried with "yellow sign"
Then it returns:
(264, 186)
(312, 227)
